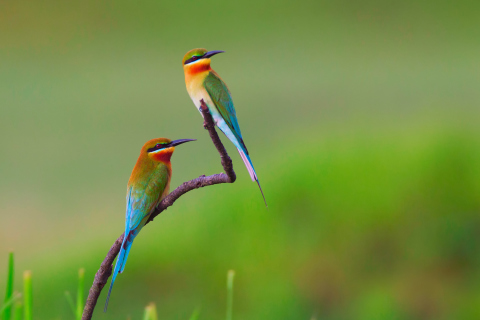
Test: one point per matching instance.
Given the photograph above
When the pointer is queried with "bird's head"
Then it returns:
(197, 60)
(161, 149)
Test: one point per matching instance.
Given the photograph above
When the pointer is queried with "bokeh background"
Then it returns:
(362, 119)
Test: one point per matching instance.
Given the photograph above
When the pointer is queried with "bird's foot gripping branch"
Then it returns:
(105, 271)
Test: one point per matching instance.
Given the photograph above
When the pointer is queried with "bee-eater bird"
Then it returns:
(147, 186)
(205, 84)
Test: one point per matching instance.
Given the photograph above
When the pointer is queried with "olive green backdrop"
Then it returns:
(362, 120)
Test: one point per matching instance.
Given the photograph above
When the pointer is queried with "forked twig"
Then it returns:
(105, 271)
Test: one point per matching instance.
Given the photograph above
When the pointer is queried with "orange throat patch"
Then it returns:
(163, 155)
(197, 67)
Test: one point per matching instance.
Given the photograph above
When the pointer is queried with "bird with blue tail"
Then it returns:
(148, 185)
(204, 84)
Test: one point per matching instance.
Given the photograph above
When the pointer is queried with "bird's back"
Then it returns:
(221, 97)
(145, 191)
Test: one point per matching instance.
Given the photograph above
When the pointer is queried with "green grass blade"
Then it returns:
(150, 312)
(8, 304)
(80, 290)
(195, 314)
(27, 295)
(230, 277)
(7, 310)
(69, 298)
(17, 312)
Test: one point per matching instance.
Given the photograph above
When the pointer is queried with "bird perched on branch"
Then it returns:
(148, 185)
(205, 84)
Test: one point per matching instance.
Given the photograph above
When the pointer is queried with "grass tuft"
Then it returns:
(9, 303)
(195, 314)
(7, 308)
(230, 278)
(17, 312)
(78, 308)
(27, 295)
(69, 298)
(80, 292)
(150, 312)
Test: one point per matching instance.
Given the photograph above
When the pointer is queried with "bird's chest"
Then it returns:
(196, 89)
(197, 94)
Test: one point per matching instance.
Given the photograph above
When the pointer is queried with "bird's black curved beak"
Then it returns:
(180, 141)
(211, 53)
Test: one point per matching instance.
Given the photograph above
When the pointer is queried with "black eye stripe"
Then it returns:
(158, 146)
(194, 58)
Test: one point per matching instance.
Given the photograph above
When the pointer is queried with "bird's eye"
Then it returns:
(158, 146)
(193, 58)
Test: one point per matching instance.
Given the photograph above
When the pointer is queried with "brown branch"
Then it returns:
(105, 271)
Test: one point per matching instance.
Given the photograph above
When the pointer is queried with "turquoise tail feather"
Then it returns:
(121, 261)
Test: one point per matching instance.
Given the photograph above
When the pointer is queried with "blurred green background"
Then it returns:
(362, 120)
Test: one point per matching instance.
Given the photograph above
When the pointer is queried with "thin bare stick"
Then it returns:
(105, 271)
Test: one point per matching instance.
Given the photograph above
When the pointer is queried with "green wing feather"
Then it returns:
(220, 95)
(144, 195)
